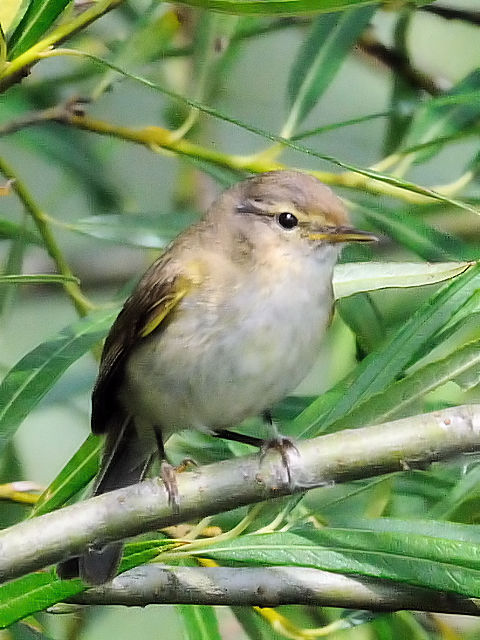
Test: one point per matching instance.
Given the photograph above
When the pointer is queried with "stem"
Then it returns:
(41, 220)
(157, 138)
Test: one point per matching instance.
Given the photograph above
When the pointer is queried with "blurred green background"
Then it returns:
(74, 175)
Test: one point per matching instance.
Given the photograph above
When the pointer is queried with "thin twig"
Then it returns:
(400, 64)
(81, 303)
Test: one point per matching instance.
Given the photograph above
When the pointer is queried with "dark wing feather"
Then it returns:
(145, 311)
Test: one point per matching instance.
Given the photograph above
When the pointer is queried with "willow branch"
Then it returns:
(215, 488)
(41, 220)
(159, 139)
(269, 587)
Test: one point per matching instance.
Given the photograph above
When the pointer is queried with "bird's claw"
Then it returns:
(167, 474)
(286, 448)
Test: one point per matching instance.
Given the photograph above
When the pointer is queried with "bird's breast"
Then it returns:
(230, 353)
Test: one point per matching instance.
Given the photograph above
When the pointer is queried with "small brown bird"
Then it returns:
(221, 327)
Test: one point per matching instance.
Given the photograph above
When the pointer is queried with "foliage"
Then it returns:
(187, 74)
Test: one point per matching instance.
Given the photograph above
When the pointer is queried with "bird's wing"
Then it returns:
(145, 312)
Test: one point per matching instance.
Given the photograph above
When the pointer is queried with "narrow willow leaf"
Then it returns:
(200, 622)
(355, 277)
(380, 369)
(362, 316)
(30, 379)
(368, 173)
(421, 560)
(149, 38)
(463, 366)
(37, 591)
(13, 265)
(453, 531)
(40, 278)
(32, 593)
(447, 115)
(415, 234)
(404, 95)
(465, 490)
(275, 7)
(74, 476)
(339, 125)
(3, 48)
(139, 230)
(38, 18)
(321, 55)
(11, 12)
(10, 230)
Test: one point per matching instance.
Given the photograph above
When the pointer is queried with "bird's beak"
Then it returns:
(341, 234)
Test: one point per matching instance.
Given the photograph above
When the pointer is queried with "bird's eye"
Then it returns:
(287, 220)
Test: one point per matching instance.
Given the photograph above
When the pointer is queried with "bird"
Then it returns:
(223, 325)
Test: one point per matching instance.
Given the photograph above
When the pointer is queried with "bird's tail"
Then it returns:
(123, 463)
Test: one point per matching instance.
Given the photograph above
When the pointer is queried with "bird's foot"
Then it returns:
(168, 476)
(185, 465)
(286, 448)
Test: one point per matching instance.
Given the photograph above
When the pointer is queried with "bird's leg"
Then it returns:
(225, 434)
(283, 444)
(167, 471)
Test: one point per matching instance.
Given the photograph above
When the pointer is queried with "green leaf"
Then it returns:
(38, 278)
(449, 531)
(368, 173)
(13, 265)
(37, 591)
(32, 593)
(275, 7)
(139, 230)
(74, 476)
(362, 316)
(421, 560)
(354, 277)
(463, 366)
(380, 369)
(321, 55)
(30, 379)
(466, 490)
(449, 114)
(10, 230)
(405, 96)
(200, 622)
(408, 229)
(38, 18)
(339, 125)
(148, 40)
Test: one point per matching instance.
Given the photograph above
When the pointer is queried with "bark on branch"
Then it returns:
(211, 489)
(269, 587)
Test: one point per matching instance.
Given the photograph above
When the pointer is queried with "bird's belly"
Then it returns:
(212, 368)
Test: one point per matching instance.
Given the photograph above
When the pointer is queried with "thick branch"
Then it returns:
(226, 485)
(269, 587)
